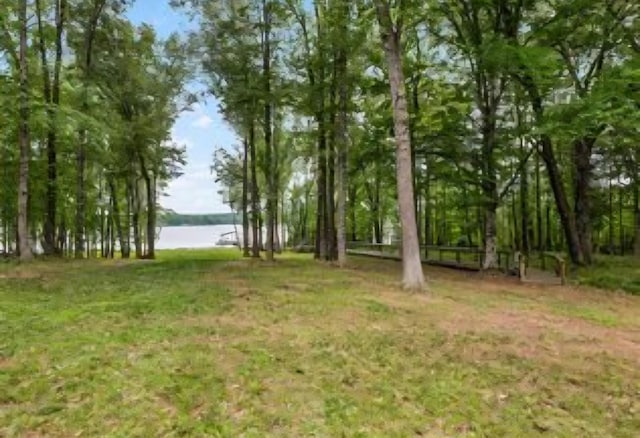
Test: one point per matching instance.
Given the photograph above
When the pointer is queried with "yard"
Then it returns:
(203, 343)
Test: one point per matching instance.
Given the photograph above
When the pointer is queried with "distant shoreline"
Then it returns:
(173, 219)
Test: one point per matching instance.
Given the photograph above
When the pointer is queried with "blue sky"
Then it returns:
(201, 130)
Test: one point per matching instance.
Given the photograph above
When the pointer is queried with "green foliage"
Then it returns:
(173, 219)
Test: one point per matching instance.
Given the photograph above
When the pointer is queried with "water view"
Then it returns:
(204, 236)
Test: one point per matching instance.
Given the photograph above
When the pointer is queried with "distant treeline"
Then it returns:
(173, 219)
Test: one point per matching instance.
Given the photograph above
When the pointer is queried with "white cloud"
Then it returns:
(204, 121)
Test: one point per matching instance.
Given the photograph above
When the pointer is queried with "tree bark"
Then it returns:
(245, 198)
(413, 278)
(567, 218)
(124, 243)
(255, 195)
(341, 69)
(582, 150)
(267, 128)
(321, 180)
(52, 99)
(525, 222)
(24, 246)
(636, 208)
(149, 184)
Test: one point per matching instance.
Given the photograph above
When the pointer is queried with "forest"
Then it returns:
(508, 124)
(491, 128)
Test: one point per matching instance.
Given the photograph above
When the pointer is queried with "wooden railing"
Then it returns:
(453, 256)
(547, 260)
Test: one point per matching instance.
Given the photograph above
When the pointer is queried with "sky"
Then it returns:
(202, 130)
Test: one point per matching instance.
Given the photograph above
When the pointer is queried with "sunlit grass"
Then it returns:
(205, 343)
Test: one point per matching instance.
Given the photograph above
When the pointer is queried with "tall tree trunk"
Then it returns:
(115, 208)
(620, 224)
(353, 201)
(413, 278)
(611, 220)
(342, 135)
(428, 240)
(79, 229)
(582, 150)
(149, 184)
(489, 187)
(636, 210)
(525, 222)
(331, 251)
(86, 65)
(52, 99)
(267, 128)
(539, 224)
(567, 218)
(321, 181)
(255, 195)
(135, 219)
(24, 246)
(245, 198)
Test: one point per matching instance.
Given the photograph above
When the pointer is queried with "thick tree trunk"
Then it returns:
(413, 278)
(24, 140)
(342, 137)
(489, 186)
(582, 150)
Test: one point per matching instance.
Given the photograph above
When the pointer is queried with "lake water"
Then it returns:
(205, 236)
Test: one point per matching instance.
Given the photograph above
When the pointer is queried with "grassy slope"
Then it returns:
(199, 344)
(612, 272)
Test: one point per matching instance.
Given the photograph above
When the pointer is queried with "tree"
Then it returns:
(390, 33)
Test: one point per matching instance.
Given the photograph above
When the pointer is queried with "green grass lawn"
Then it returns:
(202, 343)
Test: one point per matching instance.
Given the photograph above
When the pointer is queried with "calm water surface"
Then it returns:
(192, 237)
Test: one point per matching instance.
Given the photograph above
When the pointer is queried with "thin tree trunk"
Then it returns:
(255, 195)
(267, 128)
(124, 244)
(611, 220)
(135, 220)
(428, 240)
(636, 209)
(24, 246)
(524, 205)
(620, 224)
(245, 198)
(321, 180)
(539, 224)
(413, 278)
(567, 218)
(149, 184)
